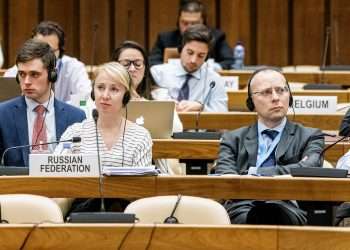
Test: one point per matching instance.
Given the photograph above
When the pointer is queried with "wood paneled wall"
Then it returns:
(278, 32)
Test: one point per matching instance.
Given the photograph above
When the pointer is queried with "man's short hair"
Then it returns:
(34, 49)
(47, 28)
(199, 33)
(192, 6)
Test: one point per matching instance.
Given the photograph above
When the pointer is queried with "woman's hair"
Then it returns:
(117, 72)
(143, 89)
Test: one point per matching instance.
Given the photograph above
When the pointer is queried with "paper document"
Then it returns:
(151, 170)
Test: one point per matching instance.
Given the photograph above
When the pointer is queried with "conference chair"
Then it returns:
(189, 210)
(25, 208)
(170, 53)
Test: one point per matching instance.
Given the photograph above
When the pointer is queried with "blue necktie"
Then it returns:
(185, 90)
(271, 160)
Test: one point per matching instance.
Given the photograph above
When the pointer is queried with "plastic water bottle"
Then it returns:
(67, 148)
(83, 106)
(238, 55)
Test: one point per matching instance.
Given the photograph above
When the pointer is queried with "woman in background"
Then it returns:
(133, 57)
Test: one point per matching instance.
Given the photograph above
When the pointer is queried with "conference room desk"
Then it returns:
(237, 99)
(336, 77)
(209, 149)
(175, 237)
(215, 187)
(233, 120)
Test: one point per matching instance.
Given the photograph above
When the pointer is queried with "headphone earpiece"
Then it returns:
(92, 93)
(126, 98)
(250, 103)
(17, 79)
(52, 76)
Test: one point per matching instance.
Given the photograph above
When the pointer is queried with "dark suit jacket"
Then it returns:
(221, 51)
(14, 127)
(345, 124)
(238, 149)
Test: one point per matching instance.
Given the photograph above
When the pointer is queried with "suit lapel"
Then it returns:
(251, 145)
(60, 118)
(286, 139)
(19, 116)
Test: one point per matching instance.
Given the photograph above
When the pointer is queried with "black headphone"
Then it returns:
(127, 95)
(249, 102)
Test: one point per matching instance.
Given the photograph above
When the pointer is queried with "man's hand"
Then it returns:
(185, 106)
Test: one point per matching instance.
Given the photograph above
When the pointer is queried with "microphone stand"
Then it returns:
(74, 139)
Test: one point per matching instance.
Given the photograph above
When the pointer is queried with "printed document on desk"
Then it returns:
(110, 171)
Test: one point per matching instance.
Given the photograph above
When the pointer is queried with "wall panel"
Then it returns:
(235, 21)
(308, 29)
(129, 23)
(96, 35)
(162, 17)
(272, 32)
(340, 38)
(22, 17)
(53, 10)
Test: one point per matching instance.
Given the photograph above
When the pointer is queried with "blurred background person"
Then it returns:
(73, 80)
(134, 58)
(192, 12)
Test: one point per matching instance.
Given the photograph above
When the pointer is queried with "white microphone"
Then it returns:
(206, 99)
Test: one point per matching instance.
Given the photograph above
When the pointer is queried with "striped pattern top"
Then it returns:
(134, 150)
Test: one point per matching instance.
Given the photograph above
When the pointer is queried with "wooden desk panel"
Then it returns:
(237, 99)
(234, 120)
(209, 149)
(175, 237)
(337, 77)
(216, 187)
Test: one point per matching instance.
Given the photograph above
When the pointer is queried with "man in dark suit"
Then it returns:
(36, 116)
(192, 12)
(272, 146)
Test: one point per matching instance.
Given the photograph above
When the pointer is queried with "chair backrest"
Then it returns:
(25, 208)
(190, 210)
(170, 53)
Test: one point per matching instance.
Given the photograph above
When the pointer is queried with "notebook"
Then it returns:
(156, 116)
(9, 88)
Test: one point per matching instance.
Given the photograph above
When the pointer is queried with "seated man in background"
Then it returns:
(272, 146)
(72, 76)
(190, 81)
(36, 116)
(192, 12)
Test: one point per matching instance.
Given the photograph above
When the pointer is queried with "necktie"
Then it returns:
(271, 160)
(185, 90)
(39, 128)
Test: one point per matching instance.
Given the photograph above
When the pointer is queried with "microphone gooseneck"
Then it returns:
(95, 117)
(74, 139)
(331, 145)
(211, 86)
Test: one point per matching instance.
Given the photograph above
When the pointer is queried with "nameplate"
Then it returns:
(314, 104)
(68, 165)
(231, 82)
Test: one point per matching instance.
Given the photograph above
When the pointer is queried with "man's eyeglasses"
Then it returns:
(138, 64)
(268, 92)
